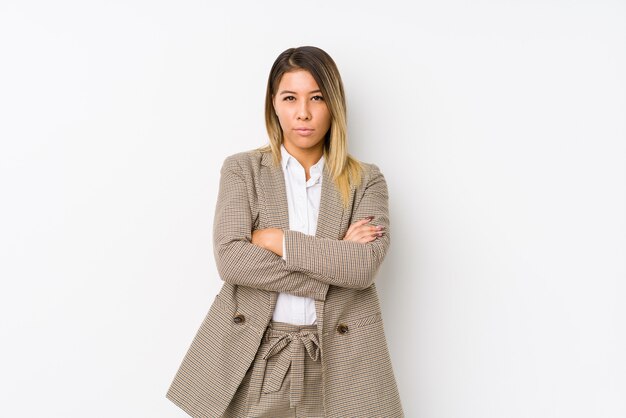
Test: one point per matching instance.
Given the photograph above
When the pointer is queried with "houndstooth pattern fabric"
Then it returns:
(357, 374)
(267, 389)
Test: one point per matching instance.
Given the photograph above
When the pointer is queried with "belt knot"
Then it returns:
(290, 348)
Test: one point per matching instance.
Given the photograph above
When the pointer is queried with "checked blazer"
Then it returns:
(358, 378)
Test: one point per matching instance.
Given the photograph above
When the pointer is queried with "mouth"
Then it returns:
(304, 131)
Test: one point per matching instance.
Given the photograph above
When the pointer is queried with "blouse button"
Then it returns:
(239, 319)
(342, 328)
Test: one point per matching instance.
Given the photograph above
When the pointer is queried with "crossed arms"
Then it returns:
(311, 264)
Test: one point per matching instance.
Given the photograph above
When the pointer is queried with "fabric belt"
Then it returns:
(290, 347)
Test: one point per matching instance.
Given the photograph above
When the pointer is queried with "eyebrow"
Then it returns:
(293, 92)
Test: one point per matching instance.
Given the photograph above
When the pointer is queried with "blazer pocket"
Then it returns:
(344, 327)
(367, 320)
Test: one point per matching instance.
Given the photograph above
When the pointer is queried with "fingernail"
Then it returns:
(370, 217)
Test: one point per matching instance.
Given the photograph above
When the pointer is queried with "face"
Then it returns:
(302, 111)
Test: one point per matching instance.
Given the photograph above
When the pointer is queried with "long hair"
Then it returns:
(345, 170)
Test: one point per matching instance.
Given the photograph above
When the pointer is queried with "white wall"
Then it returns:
(499, 126)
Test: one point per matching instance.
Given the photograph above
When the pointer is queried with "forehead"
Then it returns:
(297, 80)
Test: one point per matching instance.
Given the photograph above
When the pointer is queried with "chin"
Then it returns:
(307, 142)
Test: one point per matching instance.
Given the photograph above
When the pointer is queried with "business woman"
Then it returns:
(300, 231)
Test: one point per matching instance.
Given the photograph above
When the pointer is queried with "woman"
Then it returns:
(300, 231)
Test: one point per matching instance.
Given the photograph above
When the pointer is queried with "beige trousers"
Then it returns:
(285, 379)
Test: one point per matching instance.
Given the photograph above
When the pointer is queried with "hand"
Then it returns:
(363, 233)
(270, 239)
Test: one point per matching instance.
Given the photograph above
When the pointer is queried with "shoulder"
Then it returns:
(370, 169)
(372, 174)
(243, 162)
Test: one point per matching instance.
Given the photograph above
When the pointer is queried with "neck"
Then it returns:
(306, 157)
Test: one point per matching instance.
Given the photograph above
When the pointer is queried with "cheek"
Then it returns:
(326, 118)
(281, 115)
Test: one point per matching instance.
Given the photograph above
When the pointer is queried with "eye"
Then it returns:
(318, 98)
(288, 98)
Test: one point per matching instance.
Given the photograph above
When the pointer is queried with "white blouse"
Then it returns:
(303, 199)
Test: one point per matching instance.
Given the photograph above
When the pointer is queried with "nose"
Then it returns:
(303, 111)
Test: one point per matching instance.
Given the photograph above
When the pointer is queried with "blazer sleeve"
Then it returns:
(239, 261)
(345, 263)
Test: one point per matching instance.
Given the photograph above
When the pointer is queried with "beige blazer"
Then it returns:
(358, 378)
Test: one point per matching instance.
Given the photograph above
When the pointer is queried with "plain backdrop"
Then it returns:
(500, 127)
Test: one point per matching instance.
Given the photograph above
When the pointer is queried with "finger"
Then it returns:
(367, 233)
(356, 224)
(360, 223)
(360, 232)
(356, 234)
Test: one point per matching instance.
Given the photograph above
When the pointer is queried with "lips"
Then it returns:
(304, 131)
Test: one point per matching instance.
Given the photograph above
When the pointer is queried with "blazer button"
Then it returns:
(342, 328)
(239, 319)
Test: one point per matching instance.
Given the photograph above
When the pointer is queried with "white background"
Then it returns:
(500, 128)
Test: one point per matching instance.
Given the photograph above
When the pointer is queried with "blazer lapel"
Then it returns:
(275, 194)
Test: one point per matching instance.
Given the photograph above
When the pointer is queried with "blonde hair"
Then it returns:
(345, 170)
